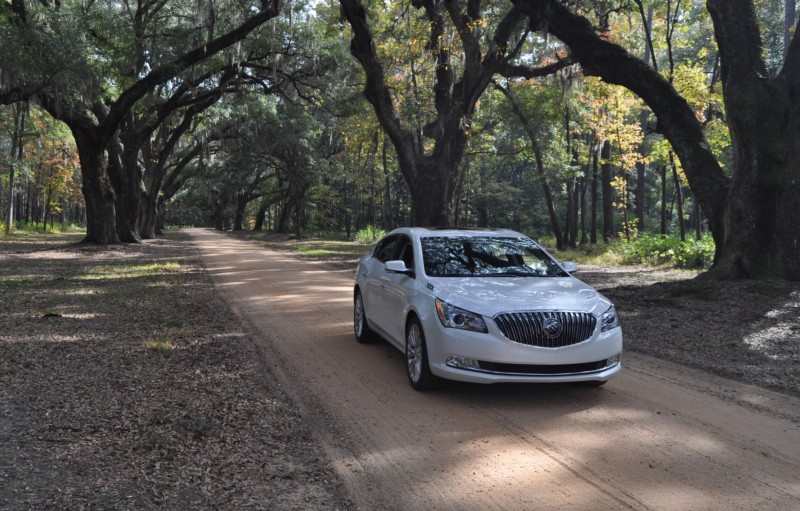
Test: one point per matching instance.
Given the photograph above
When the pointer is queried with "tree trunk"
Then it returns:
(97, 190)
(678, 197)
(242, 199)
(20, 115)
(433, 192)
(388, 217)
(663, 199)
(583, 207)
(789, 20)
(698, 220)
(260, 216)
(285, 216)
(148, 216)
(217, 218)
(595, 176)
(763, 221)
(607, 175)
(124, 174)
(641, 189)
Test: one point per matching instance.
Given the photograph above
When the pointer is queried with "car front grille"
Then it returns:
(546, 329)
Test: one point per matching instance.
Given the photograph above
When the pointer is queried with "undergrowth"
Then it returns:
(647, 249)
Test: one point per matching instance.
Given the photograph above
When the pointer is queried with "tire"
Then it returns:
(364, 333)
(417, 365)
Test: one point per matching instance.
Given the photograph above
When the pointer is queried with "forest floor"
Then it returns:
(127, 383)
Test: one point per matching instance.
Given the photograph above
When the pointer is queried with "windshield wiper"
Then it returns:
(513, 273)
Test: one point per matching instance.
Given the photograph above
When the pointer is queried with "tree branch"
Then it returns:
(738, 39)
(515, 71)
(362, 47)
(130, 96)
(676, 118)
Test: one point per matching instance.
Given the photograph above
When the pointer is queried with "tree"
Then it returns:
(754, 218)
(448, 72)
(93, 110)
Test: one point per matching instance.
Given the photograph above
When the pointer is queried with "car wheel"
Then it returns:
(364, 333)
(418, 368)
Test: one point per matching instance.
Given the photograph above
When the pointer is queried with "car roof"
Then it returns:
(460, 232)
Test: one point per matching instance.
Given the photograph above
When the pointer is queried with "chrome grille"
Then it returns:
(546, 329)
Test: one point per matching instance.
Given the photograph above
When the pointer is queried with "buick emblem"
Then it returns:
(552, 327)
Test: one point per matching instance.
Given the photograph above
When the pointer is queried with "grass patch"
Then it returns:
(175, 322)
(35, 229)
(162, 346)
(330, 249)
(134, 270)
(15, 283)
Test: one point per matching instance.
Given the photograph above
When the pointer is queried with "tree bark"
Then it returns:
(663, 213)
(678, 197)
(607, 172)
(124, 174)
(763, 221)
(260, 217)
(388, 216)
(597, 144)
(789, 21)
(96, 187)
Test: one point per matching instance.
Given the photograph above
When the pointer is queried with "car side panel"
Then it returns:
(370, 277)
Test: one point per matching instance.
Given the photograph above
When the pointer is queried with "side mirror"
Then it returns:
(398, 267)
(569, 267)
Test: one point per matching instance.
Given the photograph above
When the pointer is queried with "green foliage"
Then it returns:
(163, 346)
(370, 234)
(38, 228)
(667, 250)
(175, 322)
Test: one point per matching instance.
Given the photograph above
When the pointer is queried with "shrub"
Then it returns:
(370, 234)
(658, 249)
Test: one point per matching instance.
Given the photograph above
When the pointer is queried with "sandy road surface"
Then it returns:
(658, 436)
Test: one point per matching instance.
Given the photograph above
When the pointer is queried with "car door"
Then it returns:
(396, 291)
(374, 282)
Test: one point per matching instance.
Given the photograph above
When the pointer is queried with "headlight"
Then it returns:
(454, 317)
(609, 319)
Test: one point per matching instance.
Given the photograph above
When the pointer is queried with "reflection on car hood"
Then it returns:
(491, 296)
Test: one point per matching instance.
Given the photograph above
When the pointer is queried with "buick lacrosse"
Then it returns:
(483, 306)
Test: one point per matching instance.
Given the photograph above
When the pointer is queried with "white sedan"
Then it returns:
(483, 306)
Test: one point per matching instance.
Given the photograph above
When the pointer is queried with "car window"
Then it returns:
(386, 248)
(486, 256)
(406, 253)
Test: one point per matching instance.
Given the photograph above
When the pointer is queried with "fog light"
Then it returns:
(612, 361)
(462, 362)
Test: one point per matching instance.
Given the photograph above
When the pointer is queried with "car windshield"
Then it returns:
(486, 257)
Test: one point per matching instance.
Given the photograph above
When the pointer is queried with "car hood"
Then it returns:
(492, 296)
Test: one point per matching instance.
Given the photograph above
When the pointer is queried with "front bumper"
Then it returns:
(492, 358)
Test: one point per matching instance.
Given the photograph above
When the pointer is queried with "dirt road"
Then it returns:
(659, 436)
